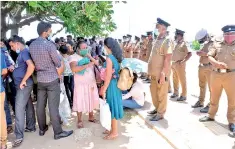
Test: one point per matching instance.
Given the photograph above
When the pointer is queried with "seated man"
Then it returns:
(135, 96)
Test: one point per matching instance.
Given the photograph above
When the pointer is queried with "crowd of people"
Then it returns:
(34, 71)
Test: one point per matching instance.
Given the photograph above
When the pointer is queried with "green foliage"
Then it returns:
(78, 17)
(196, 46)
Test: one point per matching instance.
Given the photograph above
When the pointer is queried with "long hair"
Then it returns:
(114, 47)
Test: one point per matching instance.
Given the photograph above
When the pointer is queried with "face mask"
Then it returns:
(83, 52)
(49, 36)
(17, 51)
(156, 32)
(229, 38)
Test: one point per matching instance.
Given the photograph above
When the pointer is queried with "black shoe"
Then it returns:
(29, 130)
(197, 105)
(142, 77)
(63, 134)
(170, 91)
(147, 80)
(156, 118)
(181, 98)
(152, 112)
(42, 132)
(174, 95)
(206, 119)
(231, 134)
(231, 127)
(205, 109)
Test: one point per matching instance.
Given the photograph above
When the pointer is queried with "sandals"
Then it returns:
(9, 129)
(17, 142)
(110, 137)
(106, 132)
(80, 125)
(93, 120)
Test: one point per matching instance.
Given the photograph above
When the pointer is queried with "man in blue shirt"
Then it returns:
(22, 72)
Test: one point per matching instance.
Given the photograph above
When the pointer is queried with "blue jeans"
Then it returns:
(8, 112)
(7, 108)
(130, 103)
(24, 105)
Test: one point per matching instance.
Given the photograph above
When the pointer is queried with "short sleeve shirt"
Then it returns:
(180, 51)
(161, 48)
(21, 68)
(223, 53)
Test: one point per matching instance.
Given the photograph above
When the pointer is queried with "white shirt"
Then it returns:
(136, 92)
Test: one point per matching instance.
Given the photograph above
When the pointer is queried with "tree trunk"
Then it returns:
(3, 25)
(14, 31)
(15, 20)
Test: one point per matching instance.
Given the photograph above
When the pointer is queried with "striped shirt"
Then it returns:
(46, 59)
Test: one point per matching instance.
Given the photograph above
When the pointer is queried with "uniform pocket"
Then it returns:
(233, 54)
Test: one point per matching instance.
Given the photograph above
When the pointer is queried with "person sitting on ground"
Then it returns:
(135, 96)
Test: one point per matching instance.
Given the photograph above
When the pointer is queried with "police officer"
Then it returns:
(143, 47)
(204, 69)
(179, 58)
(149, 45)
(123, 46)
(159, 68)
(143, 53)
(128, 47)
(136, 50)
(148, 53)
(222, 57)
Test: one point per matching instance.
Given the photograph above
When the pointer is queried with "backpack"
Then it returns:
(125, 80)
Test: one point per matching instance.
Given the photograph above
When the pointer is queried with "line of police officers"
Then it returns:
(216, 68)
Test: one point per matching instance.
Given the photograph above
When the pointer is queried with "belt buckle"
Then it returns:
(223, 70)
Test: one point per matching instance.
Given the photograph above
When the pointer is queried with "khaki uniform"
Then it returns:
(129, 50)
(124, 49)
(179, 74)
(149, 49)
(204, 72)
(219, 80)
(161, 47)
(143, 51)
(136, 51)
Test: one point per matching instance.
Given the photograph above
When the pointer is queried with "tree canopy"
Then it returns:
(77, 17)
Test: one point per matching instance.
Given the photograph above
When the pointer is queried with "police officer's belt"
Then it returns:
(224, 70)
(204, 65)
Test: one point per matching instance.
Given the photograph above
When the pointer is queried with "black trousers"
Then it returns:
(11, 95)
(50, 91)
(68, 84)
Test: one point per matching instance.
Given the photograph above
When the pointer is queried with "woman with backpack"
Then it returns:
(109, 90)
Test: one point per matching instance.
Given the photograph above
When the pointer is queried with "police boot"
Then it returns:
(197, 105)
(231, 127)
(205, 109)
(206, 119)
(181, 98)
(152, 112)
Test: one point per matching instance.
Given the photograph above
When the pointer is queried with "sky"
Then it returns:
(139, 16)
